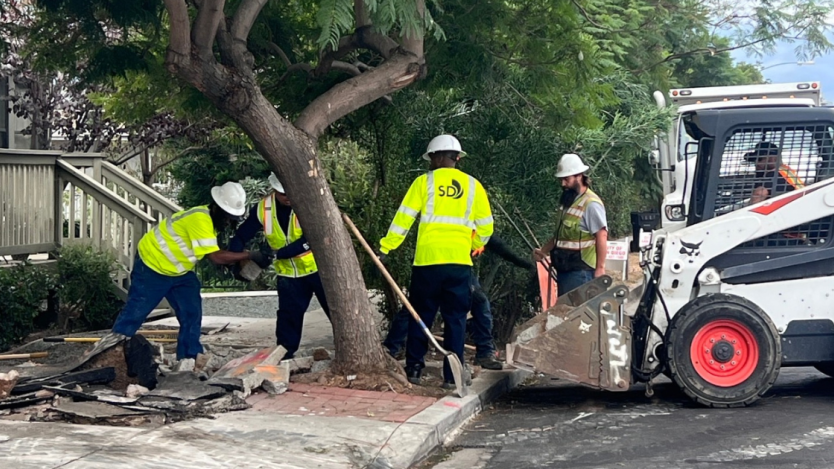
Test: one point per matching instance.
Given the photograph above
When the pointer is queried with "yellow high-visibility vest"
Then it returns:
(299, 266)
(451, 204)
(176, 244)
(571, 236)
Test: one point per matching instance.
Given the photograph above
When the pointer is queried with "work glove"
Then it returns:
(262, 259)
(382, 257)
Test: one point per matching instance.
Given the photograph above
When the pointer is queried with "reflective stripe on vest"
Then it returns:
(571, 236)
(430, 217)
(300, 266)
(790, 175)
(166, 228)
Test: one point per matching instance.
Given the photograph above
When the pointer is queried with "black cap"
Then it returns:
(762, 149)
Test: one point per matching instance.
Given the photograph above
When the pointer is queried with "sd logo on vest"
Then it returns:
(454, 191)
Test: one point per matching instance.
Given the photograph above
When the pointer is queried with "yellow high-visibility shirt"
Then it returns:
(451, 204)
(176, 244)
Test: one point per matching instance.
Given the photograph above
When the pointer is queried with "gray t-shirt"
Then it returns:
(593, 219)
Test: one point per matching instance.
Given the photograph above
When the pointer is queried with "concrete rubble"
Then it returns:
(132, 382)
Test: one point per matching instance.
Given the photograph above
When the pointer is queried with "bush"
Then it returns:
(23, 293)
(86, 294)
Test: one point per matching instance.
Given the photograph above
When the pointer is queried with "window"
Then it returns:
(759, 163)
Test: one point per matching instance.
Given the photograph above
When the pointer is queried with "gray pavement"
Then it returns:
(553, 424)
(251, 438)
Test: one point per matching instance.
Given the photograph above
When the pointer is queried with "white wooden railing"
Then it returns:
(52, 199)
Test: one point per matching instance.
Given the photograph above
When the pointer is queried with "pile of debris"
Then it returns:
(132, 382)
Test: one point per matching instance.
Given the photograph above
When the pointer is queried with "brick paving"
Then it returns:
(305, 399)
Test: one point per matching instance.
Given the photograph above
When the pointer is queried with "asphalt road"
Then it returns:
(552, 424)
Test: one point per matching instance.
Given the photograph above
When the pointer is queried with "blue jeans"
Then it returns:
(571, 280)
(147, 288)
(481, 324)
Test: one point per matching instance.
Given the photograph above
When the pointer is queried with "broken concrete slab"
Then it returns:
(7, 383)
(93, 376)
(186, 386)
(276, 378)
(244, 365)
(24, 400)
(299, 364)
(319, 366)
(94, 410)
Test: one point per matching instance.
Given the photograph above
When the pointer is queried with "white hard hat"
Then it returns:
(231, 198)
(443, 143)
(276, 184)
(569, 165)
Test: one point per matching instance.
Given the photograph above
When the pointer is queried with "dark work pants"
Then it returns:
(147, 288)
(438, 286)
(294, 295)
(481, 324)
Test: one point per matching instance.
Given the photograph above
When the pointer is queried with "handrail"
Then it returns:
(96, 189)
(134, 187)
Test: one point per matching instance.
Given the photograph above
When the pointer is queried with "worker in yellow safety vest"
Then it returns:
(450, 204)
(165, 261)
(298, 276)
(580, 244)
(775, 177)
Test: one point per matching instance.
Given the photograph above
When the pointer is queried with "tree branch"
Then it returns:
(360, 14)
(415, 44)
(401, 70)
(179, 48)
(346, 67)
(245, 17)
(703, 50)
(205, 26)
(280, 53)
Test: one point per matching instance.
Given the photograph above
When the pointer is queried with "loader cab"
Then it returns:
(745, 156)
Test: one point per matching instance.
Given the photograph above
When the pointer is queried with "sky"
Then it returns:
(822, 70)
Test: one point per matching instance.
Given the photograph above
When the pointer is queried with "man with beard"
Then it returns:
(580, 244)
(165, 261)
(776, 178)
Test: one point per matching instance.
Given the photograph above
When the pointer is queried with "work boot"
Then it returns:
(413, 374)
(489, 363)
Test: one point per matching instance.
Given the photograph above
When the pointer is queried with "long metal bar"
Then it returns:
(543, 261)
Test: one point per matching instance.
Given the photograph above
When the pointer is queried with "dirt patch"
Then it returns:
(114, 357)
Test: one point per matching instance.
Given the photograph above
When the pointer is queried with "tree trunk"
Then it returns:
(292, 154)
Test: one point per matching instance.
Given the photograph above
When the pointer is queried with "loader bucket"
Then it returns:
(588, 343)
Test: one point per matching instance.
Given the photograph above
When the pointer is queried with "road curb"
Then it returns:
(423, 433)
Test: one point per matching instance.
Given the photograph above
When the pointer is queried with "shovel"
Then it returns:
(454, 361)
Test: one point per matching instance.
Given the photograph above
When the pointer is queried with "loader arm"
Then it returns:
(687, 251)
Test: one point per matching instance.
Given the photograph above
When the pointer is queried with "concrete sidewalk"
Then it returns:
(306, 427)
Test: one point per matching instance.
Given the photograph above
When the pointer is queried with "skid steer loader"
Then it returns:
(746, 287)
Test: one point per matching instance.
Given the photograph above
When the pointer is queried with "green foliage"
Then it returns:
(86, 295)
(23, 293)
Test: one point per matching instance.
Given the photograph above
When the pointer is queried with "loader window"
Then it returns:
(759, 163)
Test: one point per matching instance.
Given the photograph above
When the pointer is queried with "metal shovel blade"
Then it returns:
(458, 374)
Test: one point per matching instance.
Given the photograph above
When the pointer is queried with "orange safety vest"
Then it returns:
(790, 175)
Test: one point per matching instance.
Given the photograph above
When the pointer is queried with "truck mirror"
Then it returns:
(654, 157)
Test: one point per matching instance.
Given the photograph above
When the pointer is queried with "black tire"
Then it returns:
(708, 315)
(826, 368)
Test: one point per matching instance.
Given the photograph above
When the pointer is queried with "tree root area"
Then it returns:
(381, 381)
